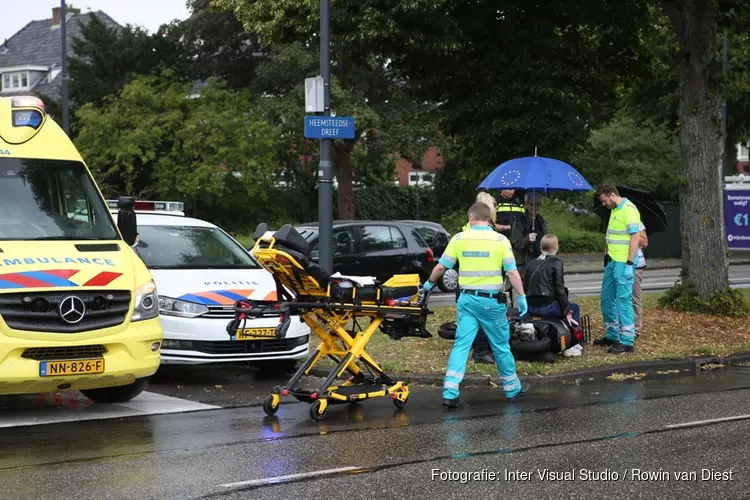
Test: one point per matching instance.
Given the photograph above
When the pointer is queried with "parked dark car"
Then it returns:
(374, 248)
(437, 237)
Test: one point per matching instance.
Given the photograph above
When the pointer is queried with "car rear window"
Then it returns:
(380, 238)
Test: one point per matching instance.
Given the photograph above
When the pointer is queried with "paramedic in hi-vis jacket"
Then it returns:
(623, 239)
(482, 255)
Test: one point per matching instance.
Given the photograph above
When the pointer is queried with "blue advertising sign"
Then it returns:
(329, 127)
(737, 218)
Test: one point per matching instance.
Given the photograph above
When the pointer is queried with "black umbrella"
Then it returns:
(652, 213)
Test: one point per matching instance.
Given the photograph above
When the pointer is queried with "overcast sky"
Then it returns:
(149, 14)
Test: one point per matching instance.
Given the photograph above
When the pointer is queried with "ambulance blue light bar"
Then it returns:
(152, 206)
(27, 117)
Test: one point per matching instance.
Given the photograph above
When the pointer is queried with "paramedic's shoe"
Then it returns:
(483, 358)
(525, 391)
(605, 342)
(452, 403)
(620, 349)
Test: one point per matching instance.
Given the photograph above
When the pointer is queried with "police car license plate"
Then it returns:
(77, 367)
(255, 333)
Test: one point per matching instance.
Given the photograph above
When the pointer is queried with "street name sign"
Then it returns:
(329, 127)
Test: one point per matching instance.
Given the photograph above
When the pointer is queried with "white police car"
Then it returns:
(200, 272)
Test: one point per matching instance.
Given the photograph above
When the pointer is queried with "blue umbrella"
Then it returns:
(536, 173)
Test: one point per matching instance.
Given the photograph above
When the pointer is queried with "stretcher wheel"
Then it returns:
(268, 406)
(399, 403)
(315, 411)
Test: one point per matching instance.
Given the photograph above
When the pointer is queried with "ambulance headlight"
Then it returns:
(176, 307)
(146, 302)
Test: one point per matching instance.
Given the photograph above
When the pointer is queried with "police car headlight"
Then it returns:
(146, 302)
(176, 307)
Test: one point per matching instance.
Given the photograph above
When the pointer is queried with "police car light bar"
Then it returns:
(152, 206)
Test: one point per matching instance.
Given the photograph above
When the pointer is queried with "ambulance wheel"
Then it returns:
(399, 403)
(315, 411)
(120, 394)
(268, 406)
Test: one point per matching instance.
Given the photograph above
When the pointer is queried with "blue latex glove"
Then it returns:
(428, 286)
(424, 292)
(628, 272)
(523, 307)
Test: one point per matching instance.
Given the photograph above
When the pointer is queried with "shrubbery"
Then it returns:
(728, 302)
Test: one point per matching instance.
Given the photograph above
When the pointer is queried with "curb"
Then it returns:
(571, 269)
(688, 364)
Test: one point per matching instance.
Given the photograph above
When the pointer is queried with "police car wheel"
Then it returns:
(448, 282)
(120, 394)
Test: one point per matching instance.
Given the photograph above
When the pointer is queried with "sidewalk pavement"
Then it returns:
(594, 263)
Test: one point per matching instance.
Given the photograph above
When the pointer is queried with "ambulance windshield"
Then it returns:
(51, 200)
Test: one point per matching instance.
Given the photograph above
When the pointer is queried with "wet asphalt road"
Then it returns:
(654, 280)
(374, 450)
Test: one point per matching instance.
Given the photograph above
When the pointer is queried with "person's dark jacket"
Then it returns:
(523, 250)
(544, 283)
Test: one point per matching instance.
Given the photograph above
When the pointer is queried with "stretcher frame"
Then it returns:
(301, 294)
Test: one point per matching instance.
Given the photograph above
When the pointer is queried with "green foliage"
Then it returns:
(643, 156)
(152, 140)
(106, 58)
(395, 202)
(362, 85)
(576, 233)
(730, 302)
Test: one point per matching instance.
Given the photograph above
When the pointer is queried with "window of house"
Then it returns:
(16, 81)
(380, 238)
(425, 178)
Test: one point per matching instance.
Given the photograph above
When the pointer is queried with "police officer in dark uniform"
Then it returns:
(509, 207)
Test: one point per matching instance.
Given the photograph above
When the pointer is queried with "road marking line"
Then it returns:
(701, 422)
(290, 477)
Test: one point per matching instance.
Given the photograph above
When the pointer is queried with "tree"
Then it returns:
(361, 84)
(107, 57)
(152, 140)
(644, 156)
(704, 248)
(217, 45)
(656, 98)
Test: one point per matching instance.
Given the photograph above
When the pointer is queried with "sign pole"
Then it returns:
(66, 120)
(325, 172)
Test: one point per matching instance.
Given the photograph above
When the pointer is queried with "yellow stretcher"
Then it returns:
(328, 305)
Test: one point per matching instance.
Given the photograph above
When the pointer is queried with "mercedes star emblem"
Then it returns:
(72, 309)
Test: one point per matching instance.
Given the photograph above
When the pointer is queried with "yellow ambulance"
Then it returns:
(78, 308)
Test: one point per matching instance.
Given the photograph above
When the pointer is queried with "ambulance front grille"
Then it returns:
(65, 352)
(39, 311)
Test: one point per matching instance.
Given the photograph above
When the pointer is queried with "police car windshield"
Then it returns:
(182, 247)
(51, 200)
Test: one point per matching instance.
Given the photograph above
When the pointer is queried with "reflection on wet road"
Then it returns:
(372, 448)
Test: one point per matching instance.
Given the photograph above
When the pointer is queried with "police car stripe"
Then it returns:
(200, 300)
(230, 294)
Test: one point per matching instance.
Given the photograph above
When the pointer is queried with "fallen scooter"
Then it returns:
(536, 338)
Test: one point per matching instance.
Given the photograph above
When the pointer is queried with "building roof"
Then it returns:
(39, 43)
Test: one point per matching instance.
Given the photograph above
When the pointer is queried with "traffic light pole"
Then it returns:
(325, 172)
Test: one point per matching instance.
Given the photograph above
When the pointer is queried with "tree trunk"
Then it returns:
(704, 246)
(342, 164)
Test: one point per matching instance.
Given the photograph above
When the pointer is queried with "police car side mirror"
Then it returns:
(126, 220)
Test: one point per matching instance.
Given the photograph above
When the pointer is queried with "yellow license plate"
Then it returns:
(77, 367)
(255, 333)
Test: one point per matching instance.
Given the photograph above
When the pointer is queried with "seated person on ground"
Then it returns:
(545, 285)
